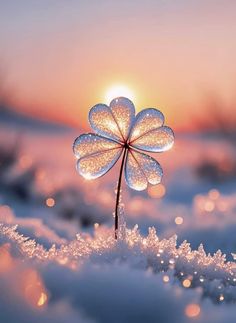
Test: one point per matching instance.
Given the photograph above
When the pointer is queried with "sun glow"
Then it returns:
(116, 91)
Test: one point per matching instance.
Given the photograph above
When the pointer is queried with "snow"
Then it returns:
(97, 279)
(62, 264)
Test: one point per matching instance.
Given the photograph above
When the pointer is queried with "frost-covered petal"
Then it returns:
(113, 121)
(156, 140)
(145, 121)
(90, 143)
(95, 166)
(141, 169)
(124, 113)
(96, 155)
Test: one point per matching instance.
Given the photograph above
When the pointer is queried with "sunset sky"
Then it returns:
(61, 57)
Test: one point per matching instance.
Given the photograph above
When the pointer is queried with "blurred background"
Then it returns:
(59, 58)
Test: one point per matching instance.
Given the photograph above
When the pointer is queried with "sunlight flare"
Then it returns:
(117, 91)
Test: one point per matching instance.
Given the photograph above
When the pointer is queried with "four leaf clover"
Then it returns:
(118, 131)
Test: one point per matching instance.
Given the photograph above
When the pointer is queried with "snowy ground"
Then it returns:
(97, 279)
(64, 277)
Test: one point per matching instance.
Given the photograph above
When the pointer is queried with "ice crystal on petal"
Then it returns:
(103, 123)
(124, 113)
(156, 140)
(94, 166)
(113, 121)
(146, 121)
(91, 144)
(141, 169)
(96, 155)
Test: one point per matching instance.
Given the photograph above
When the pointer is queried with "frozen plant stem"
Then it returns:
(118, 194)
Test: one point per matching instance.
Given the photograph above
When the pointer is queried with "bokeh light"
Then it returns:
(192, 310)
(179, 220)
(186, 283)
(50, 202)
(33, 287)
(157, 191)
(166, 279)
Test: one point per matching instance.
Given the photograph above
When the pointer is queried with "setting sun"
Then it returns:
(118, 90)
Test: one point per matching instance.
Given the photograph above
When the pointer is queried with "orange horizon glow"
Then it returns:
(170, 56)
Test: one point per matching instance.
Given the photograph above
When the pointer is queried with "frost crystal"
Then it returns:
(193, 268)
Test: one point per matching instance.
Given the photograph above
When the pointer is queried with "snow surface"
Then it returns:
(97, 279)
(72, 270)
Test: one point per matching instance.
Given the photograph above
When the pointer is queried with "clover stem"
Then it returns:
(118, 194)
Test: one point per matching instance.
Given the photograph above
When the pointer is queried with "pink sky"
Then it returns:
(62, 56)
